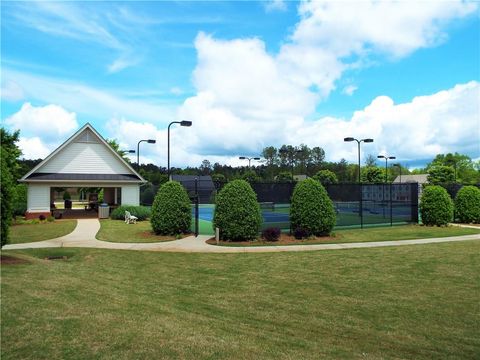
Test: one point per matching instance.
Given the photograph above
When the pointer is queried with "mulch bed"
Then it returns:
(151, 235)
(10, 260)
(285, 239)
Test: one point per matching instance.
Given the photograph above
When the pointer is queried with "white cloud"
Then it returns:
(396, 28)
(275, 5)
(34, 148)
(447, 121)
(349, 90)
(11, 91)
(51, 122)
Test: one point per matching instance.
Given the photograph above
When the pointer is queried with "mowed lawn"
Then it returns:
(25, 233)
(414, 302)
(119, 231)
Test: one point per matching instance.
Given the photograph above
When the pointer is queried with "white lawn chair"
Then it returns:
(129, 218)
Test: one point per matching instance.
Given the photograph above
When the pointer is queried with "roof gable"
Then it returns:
(85, 152)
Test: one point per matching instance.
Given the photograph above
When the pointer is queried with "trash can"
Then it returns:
(103, 211)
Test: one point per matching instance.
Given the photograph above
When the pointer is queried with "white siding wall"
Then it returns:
(85, 158)
(131, 195)
(38, 198)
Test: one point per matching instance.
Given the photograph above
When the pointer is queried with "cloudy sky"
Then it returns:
(247, 74)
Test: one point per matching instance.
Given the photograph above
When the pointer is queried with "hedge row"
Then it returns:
(437, 208)
(141, 212)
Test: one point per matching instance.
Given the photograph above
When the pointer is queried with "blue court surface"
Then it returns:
(205, 212)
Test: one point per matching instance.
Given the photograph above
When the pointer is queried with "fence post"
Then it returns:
(391, 205)
(196, 207)
(361, 205)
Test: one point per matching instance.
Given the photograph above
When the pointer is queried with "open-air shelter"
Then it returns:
(83, 160)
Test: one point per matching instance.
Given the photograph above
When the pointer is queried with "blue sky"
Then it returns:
(248, 74)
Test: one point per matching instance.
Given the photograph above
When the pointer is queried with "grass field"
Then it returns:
(25, 233)
(119, 231)
(414, 302)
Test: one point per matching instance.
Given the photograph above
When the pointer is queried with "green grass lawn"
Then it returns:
(25, 233)
(119, 231)
(410, 302)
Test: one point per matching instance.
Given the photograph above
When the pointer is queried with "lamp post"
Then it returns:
(386, 164)
(249, 159)
(348, 139)
(360, 192)
(400, 171)
(182, 123)
(149, 141)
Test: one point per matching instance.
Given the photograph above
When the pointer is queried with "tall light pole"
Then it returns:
(249, 159)
(348, 139)
(150, 141)
(182, 123)
(386, 164)
(400, 171)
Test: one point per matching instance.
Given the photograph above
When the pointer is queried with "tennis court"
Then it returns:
(347, 213)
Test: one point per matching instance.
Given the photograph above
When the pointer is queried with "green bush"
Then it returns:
(7, 191)
(20, 201)
(171, 210)
(311, 208)
(436, 206)
(467, 205)
(326, 177)
(237, 212)
(66, 195)
(141, 212)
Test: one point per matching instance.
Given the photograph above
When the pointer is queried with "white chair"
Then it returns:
(129, 218)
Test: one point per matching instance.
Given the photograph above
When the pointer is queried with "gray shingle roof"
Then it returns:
(84, 177)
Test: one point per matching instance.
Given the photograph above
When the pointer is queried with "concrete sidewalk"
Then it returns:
(84, 236)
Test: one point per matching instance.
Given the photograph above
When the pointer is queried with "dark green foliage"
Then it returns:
(326, 177)
(441, 174)
(312, 209)
(436, 207)
(251, 177)
(8, 191)
(218, 178)
(66, 195)
(237, 212)
(20, 201)
(171, 210)
(141, 212)
(147, 194)
(271, 234)
(301, 233)
(372, 175)
(467, 205)
(284, 176)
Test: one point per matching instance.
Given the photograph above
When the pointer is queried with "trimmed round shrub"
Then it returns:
(141, 212)
(467, 205)
(271, 234)
(171, 210)
(436, 206)
(311, 209)
(237, 212)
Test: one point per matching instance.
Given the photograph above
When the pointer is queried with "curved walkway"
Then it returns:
(84, 236)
